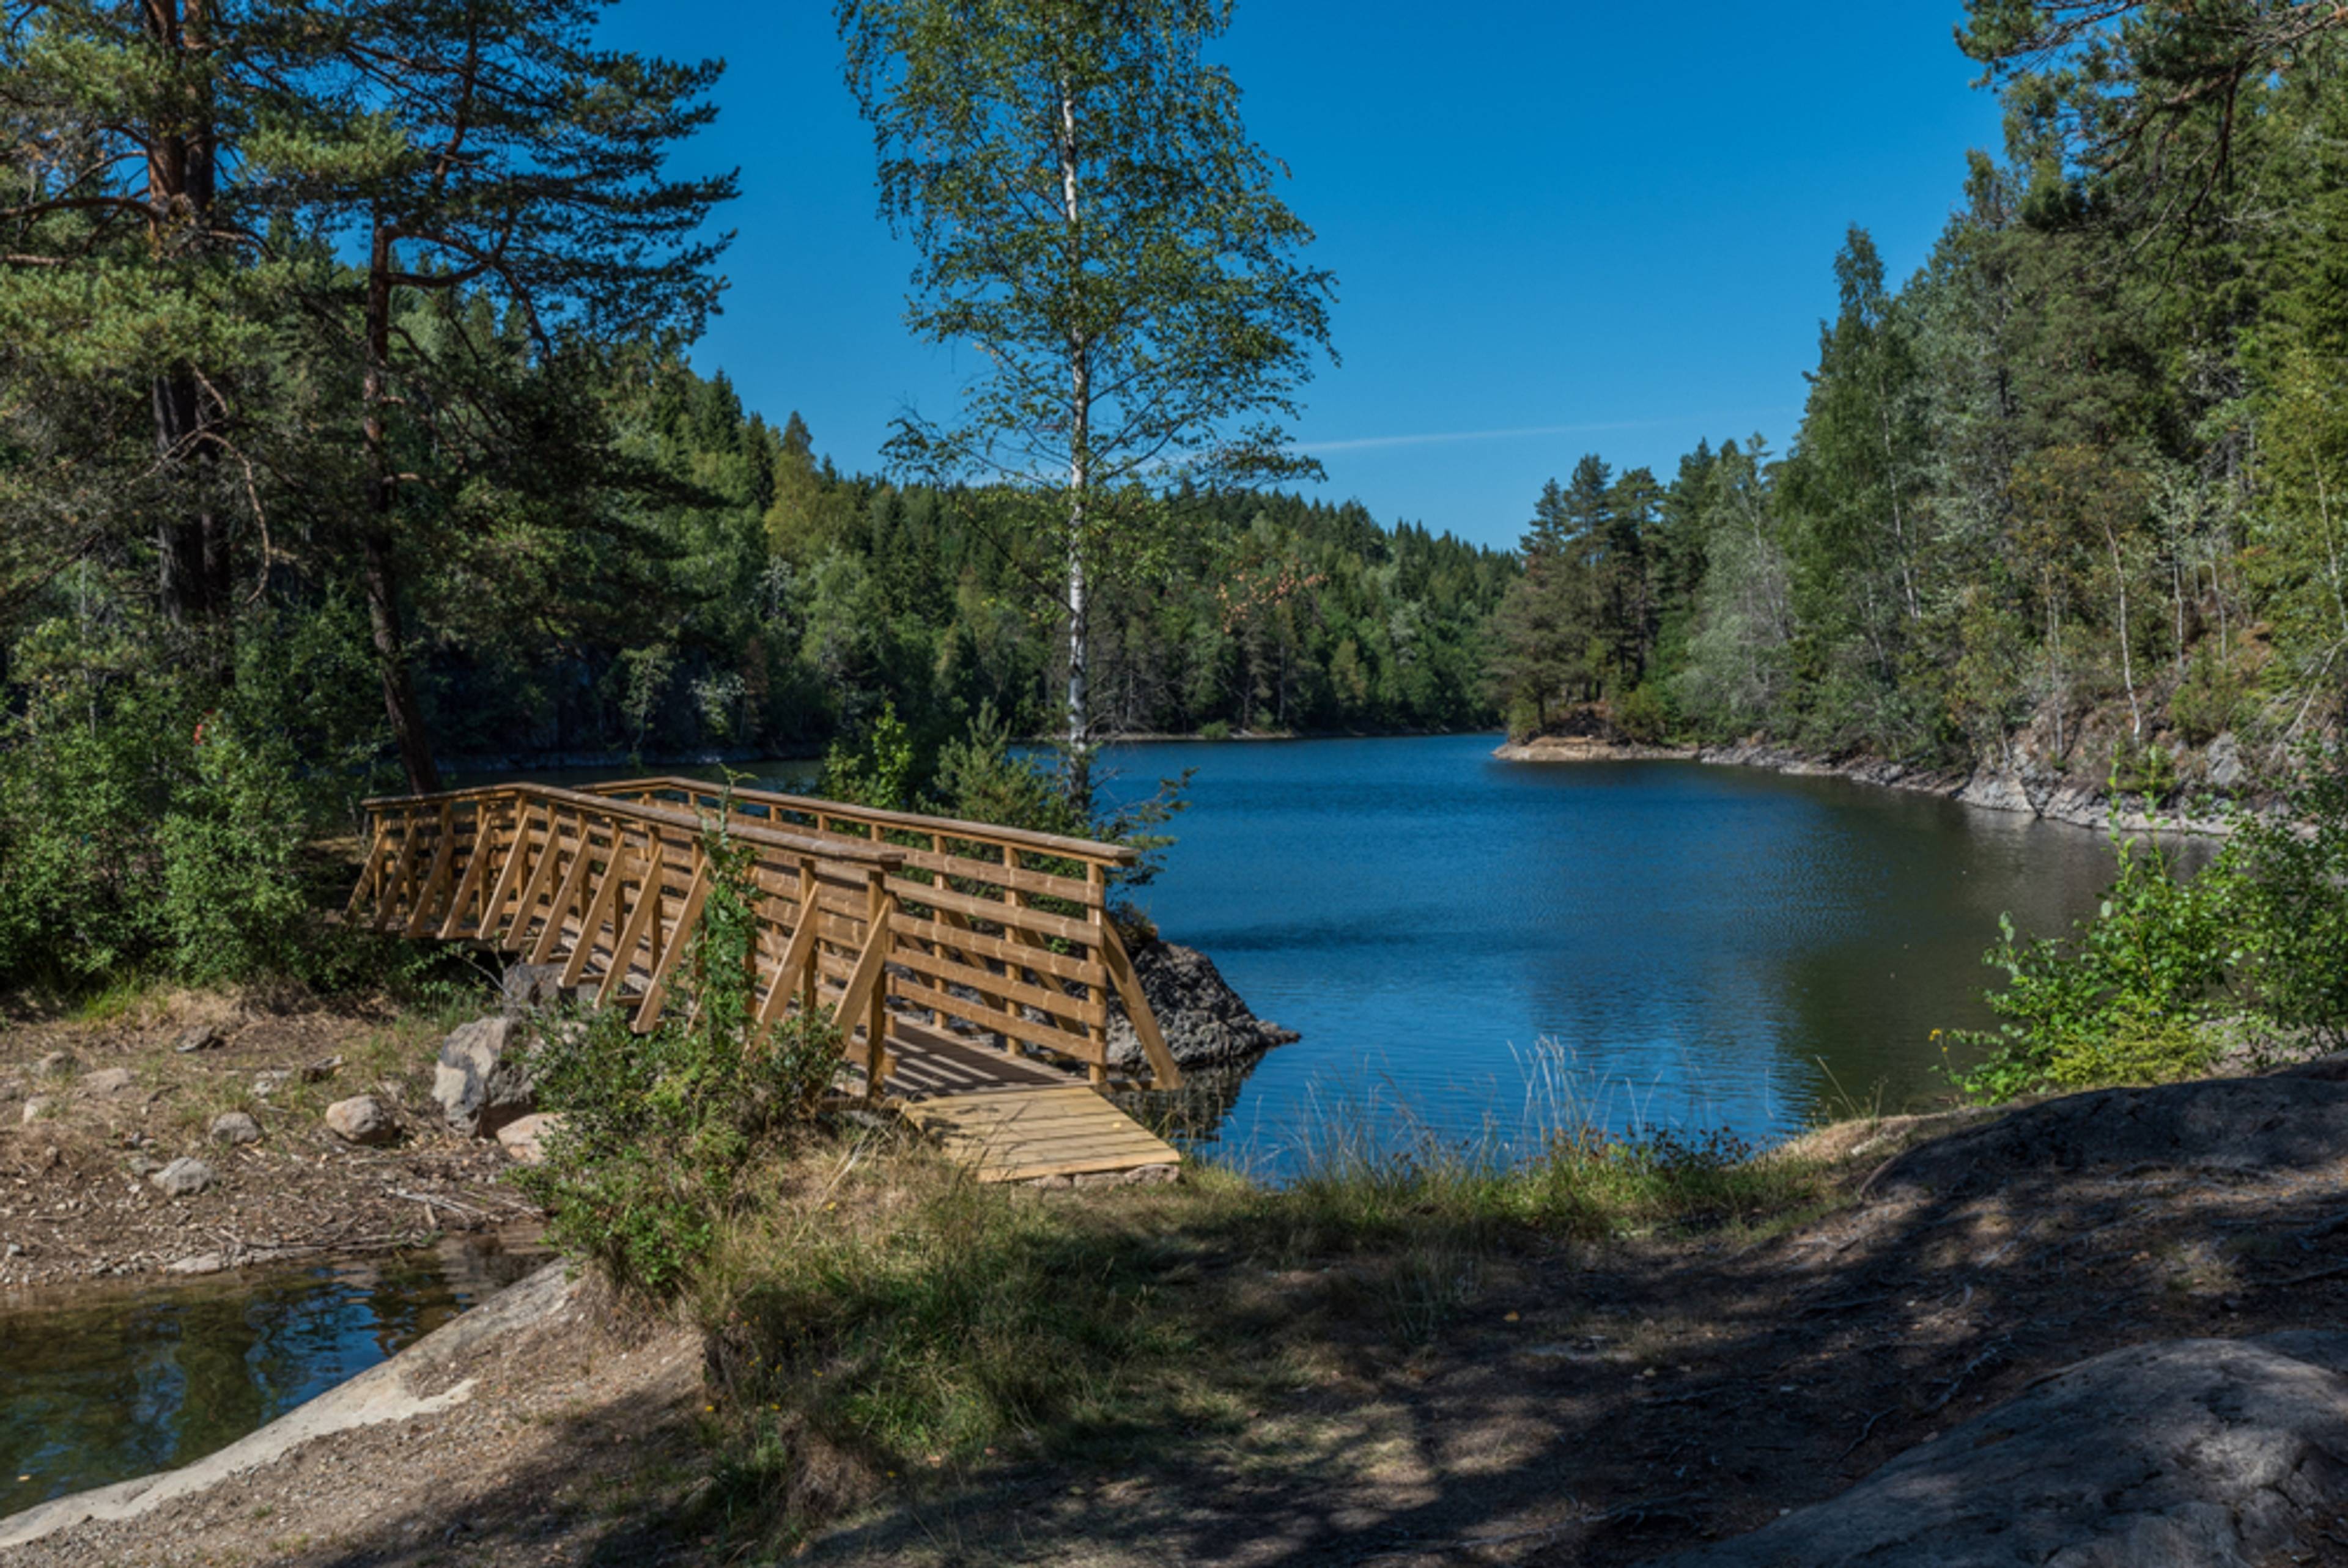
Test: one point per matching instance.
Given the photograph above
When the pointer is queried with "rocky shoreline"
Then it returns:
(2030, 791)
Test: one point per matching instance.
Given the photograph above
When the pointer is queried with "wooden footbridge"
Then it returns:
(970, 967)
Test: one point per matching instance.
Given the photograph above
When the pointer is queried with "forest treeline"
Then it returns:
(2068, 498)
(780, 604)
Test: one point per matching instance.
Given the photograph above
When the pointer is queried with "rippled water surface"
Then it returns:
(101, 1383)
(1703, 946)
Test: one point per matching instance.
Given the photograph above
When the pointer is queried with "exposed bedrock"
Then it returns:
(2190, 1453)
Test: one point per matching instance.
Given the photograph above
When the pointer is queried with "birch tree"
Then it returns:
(1093, 220)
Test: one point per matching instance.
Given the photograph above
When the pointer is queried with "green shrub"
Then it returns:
(660, 1134)
(2129, 996)
(1644, 715)
(154, 819)
(883, 770)
(1215, 730)
(2292, 873)
(2209, 700)
(981, 779)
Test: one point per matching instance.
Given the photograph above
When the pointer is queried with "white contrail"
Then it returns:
(1441, 437)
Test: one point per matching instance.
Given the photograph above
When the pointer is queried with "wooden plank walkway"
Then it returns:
(1008, 1118)
(1028, 1133)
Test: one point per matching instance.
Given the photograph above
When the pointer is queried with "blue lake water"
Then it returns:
(1678, 944)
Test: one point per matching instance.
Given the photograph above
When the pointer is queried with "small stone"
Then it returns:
(184, 1177)
(233, 1127)
(362, 1119)
(202, 1036)
(526, 1140)
(141, 1165)
(269, 1082)
(201, 1263)
(323, 1069)
(37, 1107)
(15, 1250)
(58, 1063)
(111, 1081)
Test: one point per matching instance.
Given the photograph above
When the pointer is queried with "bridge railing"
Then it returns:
(874, 914)
(1005, 930)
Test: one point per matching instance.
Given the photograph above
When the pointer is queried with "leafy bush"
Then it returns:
(1644, 715)
(2127, 997)
(2135, 994)
(1215, 730)
(981, 779)
(2292, 873)
(881, 771)
(660, 1133)
(2209, 700)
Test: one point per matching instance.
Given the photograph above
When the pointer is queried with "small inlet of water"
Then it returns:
(107, 1382)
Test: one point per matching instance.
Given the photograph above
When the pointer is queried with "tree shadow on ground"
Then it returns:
(1607, 1405)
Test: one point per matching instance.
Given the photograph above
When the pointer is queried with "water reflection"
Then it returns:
(102, 1383)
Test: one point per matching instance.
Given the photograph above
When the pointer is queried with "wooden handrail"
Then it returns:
(1026, 955)
(953, 827)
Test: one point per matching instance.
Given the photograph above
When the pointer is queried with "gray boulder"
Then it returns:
(482, 1080)
(201, 1037)
(2193, 1453)
(183, 1178)
(1205, 1022)
(362, 1119)
(58, 1063)
(234, 1127)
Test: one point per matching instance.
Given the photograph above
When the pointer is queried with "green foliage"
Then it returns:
(2209, 702)
(156, 820)
(883, 770)
(2257, 942)
(2127, 997)
(2293, 871)
(662, 1133)
(981, 779)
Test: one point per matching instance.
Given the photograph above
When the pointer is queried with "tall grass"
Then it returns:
(877, 1317)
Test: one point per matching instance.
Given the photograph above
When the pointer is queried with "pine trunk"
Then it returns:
(380, 562)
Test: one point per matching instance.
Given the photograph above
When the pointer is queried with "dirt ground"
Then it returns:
(1586, 1404)
(76, 1152)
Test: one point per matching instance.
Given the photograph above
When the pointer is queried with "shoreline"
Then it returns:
(1989, 789)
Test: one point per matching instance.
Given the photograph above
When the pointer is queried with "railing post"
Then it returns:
(1096, 915)
(811, 917)
(880, 904)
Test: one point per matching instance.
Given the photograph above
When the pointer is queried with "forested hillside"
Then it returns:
(779, 603)
(2067, 499)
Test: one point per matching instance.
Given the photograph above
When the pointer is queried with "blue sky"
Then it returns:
(1557, 228)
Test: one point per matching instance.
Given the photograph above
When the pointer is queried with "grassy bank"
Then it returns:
(879, 1321)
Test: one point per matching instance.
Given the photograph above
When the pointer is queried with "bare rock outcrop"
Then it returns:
(2190, 1453)
(2295, 1120)
(1205, 1022)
